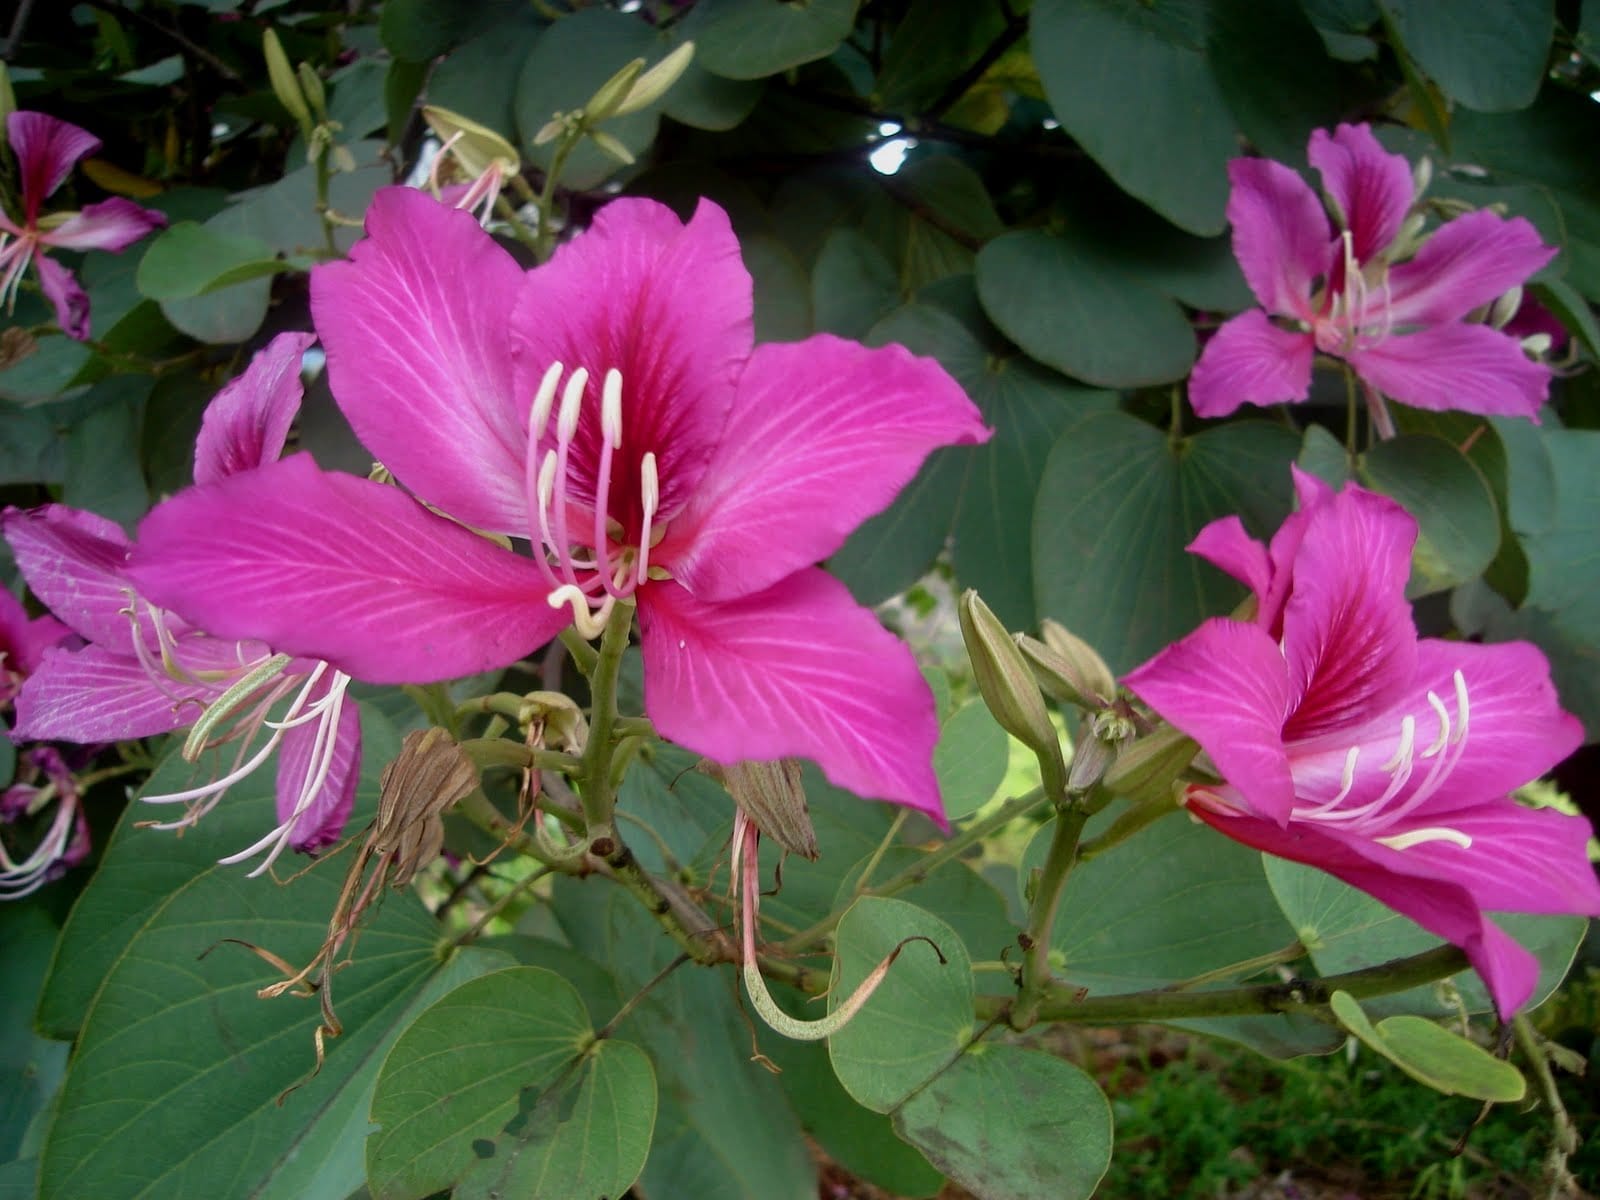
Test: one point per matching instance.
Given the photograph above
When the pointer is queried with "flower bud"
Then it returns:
(1068, 668)
(611, 146)
(1505, 307)
(771, 795)
(8, 101)
(603, 105)
(1007, 685)
(1145, 770)
(476, 147)
(656, 82)
(282, 75)
(550, 130)
(1421, 177)
(316, 96)
(1097, 747)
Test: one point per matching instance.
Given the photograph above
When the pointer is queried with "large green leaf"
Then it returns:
(479, 80)
(1130, 82)
(970, 759)
(853, 284)
(1563, 553)
(1432, 1055)
(31, 1067)
(191, 259)
(1277, 78)
(102, 473)
(1457, 518)
(1490, 56)
(748, 39)
(1118, 503)
(1013, 1124)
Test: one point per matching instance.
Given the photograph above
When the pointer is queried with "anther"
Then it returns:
(544, 399)
(611, 409)
(571, 403)
(1460, 734)
(1418, 837)
(1443, 714)
(1408, 737)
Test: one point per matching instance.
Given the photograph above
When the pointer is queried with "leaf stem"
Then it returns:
(1037, 980)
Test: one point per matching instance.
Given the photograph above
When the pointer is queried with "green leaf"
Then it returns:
(1071, 307)
(417, 30)
(1324, 456)
(970, 759)
(852, 284)
(30, 451)
(1116, 507)
(172, 415)
(1490, 57)
(1013, 1124)
(1458, 521)
(479, 80)
(782, 292)
(102, 471)
(934, 43)
(1129, 81)
(1275, 74)
(31, 1067)
(749, 39)
(190, 259)
(588, 1136)
(1433, 1055)
(224, 317)
(1563, 555)
(920, 1017)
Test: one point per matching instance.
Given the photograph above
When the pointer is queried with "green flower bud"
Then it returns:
(656, 82)
(476, 147)
(1145, 770)
(611, 146)
(1068, 668)
(1008, 688)
(311, 85)
(603, 105)
(284, 85)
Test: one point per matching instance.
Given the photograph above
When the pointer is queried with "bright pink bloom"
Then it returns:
(610, 407)
(1348, 744)
(1363, 290)
(23, 641)
(145, 671)
(46, 150)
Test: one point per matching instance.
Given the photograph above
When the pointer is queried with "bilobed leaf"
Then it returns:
(417, 30)
(1275, 74)
(970, 759)
(479, 79)
(852, 284)
(190, 259)
(749, 39)
(1459, 523)
(1433, 1055)
(1489, 56)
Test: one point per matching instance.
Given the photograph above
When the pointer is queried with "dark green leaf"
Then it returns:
(970, 759)
(748, 39)
(1276, 76)
(191, 259)
(852, 285)
(30, 451)
(102, 468)
(422, 29)
(1564, 556)
(1449, 497)
(1489, 56)
(30, 1066)
(479, 80)
(933, 44)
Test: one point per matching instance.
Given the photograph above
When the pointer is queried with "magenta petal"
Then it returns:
(248, 421)
(322, 821)
(46, 150)
(1470, 261)
(76, 562)
(70, 301)
(1348, 635)
(1225, 686)
(1280, 234)
(1251, 361)
(96, 695)
(799, 670)
(419, 358)
(1371, 186)
(1467, 368)
(112, 225)
(24, 639)
(1225, 545)
(333, 567)
(824, 433)
(669, 306)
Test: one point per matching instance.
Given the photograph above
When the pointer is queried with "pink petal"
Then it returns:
(248, 421)
(419, 357)
(1470, 261)
(798, 670)
(320, 824)
(1225, 686)
(1281, 235)
(823, 434)
(97, 695)
(669, 306)
(1466, 368)
(46, 150)
(1372, 187)
(112, 225)
(76, 563)
(1225, 545)
(70, 301)
(1348, 635)
(1251, 361)
(24, 639)
(338, 568)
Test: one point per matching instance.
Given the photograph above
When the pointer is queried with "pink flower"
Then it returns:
(64, 840)
(23, 641)
(145, 671)
(46, 150)
(1349, 744)
(610, 407)
(1363, 291)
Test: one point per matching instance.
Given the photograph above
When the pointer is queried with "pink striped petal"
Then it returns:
(46, 151)
(60, 287)
(248, 421)
(1470, 261)
(1372, 187)
(1251, 361)
(824, 433)
(97, 695)
(1465, 368)
(416, 326)
(76, 563)
(329, 566)
(799, 670)
(321, 823)
(1281, 235)
(24, 639)
(112, 225)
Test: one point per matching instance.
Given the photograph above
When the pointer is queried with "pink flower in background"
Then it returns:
(46, 150)
(23, 641)
(64, 842)
(1343, 290)
(610, 407)
(145, 671)
(1347, 743)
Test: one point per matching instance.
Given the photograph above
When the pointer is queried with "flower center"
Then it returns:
(1395, 802)
(1355, 311)
(15, 254)
(588, 566)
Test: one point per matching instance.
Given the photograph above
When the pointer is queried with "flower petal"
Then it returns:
(322, 821)
(419, 357)
(248, 421)
(669, 306)
(1469, 261)
(1225, 545)
(24, 639)
(70, 301)
(1372, 187)
(1467, 368)
(823, 434)
(97, 695)
(76, 563)
(342, 569)
(1348, 635)
(1251, 361)
(112, 225)
(1225, 686)
(1281, 235)
(799, 670)
(46, 149)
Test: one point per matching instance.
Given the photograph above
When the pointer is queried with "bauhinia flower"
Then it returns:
(1362, 289)
(610, 407)
(23, 641)
(62, 843)
(145, 671)
(46, 150)
(1347, 743)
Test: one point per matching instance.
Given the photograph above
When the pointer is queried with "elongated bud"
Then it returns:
(1504, 308)
(476, 147)
(431, 774)
(656, 82)
(550, 130)
(1068, 668)
(603, 105)
(8, 101)
(1145, 770)
(316, 95)
(282, 75)
(1421, 177)
(1007, 685)
(611, 146)
(771, 795)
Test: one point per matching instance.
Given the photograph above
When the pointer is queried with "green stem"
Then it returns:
(324, 207)
(1125, 826)
(545, 235)
(503, 752)
(1563, 1134)
(581, 652)
(1035, 940)
(1352, 417)
(597, 794)
(507, 212)
(500, 905)
(1244, 967)
(883, 848)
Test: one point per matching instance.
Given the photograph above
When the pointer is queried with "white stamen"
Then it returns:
(547, 489)
(1408, 737)
(1418, 837)
(1444, 725)
(544, 399)
(649, 501)
(571, 405)
(611, 409)
(1460, 734)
